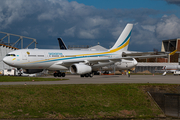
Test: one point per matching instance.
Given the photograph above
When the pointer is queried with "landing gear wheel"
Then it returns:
(87, 75)
(82, 75)
(59, 74)
(90, 75)
(55, 74)
(19, 74)
(63, 74)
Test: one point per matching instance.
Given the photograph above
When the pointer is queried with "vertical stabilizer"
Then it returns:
(123, 40)
(62, 44)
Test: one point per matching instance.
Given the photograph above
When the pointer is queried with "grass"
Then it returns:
(22, 79)
(76, 101)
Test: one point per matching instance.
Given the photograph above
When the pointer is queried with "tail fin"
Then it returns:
(123, 40)
(62, 44)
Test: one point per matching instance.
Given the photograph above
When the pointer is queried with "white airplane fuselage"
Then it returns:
(53, 59)
(77, 61)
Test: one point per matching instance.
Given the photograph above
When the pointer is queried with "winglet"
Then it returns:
(172, 53)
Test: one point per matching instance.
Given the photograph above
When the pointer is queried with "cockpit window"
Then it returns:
(10, 55)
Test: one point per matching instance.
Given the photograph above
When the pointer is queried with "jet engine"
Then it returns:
(126, 64)
(80, 69)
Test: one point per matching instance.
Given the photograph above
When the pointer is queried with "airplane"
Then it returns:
(81, 62)
(171, 69)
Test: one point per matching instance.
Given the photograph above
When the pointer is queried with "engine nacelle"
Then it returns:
(80, 69)
(126, 64)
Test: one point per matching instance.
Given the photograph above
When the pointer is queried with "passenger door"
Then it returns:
(24, 56)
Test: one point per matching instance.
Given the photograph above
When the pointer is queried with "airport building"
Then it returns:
(157, 64)
(171, 45)
(151, 67)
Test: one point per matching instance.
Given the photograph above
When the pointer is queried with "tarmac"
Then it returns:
(105, 79)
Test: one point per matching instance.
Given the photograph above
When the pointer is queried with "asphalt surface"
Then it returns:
(105, 79)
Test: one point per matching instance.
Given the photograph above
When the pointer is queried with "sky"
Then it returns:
(87, 22)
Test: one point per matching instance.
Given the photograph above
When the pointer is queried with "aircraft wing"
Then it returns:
(108, 59)
(147, 56)
(132, 53)
(93, 61)
(125, 55)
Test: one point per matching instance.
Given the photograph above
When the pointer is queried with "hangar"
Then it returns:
(4, 49)
(8, 42)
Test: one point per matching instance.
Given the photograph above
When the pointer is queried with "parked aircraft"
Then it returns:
(77, 61)
(175, 69)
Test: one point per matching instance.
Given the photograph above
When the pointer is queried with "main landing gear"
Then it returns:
(87, 75)
(59, 74)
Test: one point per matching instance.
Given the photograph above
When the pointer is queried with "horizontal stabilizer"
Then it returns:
(172, 53)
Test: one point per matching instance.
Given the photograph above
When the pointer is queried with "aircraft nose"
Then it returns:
(5, 60)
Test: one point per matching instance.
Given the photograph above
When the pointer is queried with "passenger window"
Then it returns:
(31, 55)
(55, 55)
(40, 55)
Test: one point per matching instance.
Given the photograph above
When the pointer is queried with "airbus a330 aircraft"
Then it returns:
(77, 61)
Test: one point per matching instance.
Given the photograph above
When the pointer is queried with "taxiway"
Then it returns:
(105, 79)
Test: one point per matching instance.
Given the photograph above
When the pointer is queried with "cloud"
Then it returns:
(88, 34)
(148, 36)
(176, 2)
(64, 10)
(168, 27)
(11, 11)
(80, 24)
(70, 32)
(25, 33)
(149, 27)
